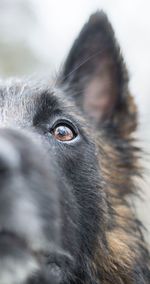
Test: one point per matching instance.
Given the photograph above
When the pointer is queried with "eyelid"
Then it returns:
(64, 122)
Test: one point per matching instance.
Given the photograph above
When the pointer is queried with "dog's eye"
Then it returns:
(63, 132)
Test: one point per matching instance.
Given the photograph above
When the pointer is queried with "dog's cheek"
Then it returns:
(81, 171)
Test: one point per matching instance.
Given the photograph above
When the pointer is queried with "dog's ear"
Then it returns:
(95, 74)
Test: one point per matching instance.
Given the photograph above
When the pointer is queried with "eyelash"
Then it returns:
(66, 123)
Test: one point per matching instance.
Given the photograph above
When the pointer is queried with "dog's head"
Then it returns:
(53, 205)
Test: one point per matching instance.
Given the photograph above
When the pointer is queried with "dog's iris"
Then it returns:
(63, 133)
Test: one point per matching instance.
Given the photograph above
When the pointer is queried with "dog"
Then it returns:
(68, 165)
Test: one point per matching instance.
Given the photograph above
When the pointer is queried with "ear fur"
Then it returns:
(95, 75)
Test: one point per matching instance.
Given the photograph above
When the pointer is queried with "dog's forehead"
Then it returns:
(20, 99)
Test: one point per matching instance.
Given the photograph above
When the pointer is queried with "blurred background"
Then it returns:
(35, 36)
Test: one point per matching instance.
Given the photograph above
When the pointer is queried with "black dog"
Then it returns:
(66, 167)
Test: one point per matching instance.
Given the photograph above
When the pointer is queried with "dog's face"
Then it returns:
(49, 177)
(54, 212)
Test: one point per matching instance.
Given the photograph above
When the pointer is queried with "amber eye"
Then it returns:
(63, 133)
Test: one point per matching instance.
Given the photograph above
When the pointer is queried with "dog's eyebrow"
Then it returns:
(47, 104)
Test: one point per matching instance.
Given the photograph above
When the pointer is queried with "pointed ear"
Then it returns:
(95, 74)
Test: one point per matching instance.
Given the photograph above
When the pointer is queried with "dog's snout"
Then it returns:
(9, 156)
(26, 184)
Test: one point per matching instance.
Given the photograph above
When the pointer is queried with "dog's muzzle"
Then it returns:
(29, 211)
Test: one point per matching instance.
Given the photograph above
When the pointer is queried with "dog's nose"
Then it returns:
(9, 156)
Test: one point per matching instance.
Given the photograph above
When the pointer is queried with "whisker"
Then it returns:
(81, 64)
